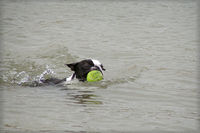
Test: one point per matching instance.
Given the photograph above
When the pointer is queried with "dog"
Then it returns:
(80, 69)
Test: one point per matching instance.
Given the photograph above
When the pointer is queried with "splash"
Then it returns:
(18, 68)
(48, 73)
(21, 78)
(26, 78)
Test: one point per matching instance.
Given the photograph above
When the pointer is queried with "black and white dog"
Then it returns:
(81, 69)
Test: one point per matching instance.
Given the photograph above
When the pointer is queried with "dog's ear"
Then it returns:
(72, 66)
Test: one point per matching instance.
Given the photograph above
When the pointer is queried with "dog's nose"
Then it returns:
(102, 68)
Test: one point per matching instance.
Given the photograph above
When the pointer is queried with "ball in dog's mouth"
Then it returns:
(94, 75)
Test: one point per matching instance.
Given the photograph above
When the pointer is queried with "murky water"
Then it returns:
(149, 48)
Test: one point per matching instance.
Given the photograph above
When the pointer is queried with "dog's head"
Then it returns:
(83, 67)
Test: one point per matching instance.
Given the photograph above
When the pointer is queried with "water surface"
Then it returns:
(149, 48)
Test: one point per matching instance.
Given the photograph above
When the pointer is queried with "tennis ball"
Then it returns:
(94, 75)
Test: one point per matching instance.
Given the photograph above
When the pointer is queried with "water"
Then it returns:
(149, 49)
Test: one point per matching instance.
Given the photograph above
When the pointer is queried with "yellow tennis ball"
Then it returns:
(94, 75)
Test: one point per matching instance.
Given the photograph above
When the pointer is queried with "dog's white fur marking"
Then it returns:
(97, 63)
(71, 77)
